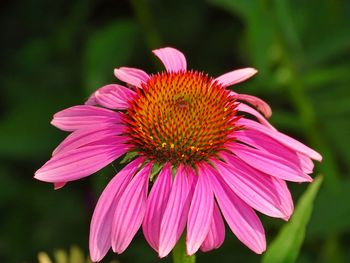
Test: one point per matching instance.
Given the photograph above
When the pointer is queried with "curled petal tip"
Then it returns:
(252, 70)
(37, 175)
(236, 76)
(286, 218)
(118, 250)
(58, 185)
(260, 251)
(318, 157)
(260, 248)
(162, 253)
(133, 76)
(190, 252)
(173, 59)
(249, 72)
(116, 71)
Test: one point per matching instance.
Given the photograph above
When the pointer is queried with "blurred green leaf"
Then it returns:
(240, 7)
(260, 31)
(321, 77)
(286, 246)
(333, 251)
(331, 210)
(287, 26)
(26, 132)
(109, 47)
(332, 102)
(285, 119)
(333, 44)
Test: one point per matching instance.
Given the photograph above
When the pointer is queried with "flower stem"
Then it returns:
(179, 252)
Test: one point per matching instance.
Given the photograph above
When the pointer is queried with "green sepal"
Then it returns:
(128, 157)
(155, 170)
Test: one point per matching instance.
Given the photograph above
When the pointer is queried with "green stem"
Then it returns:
(179, 252)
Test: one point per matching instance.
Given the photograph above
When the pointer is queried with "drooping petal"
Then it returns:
(263, 142)
(112, 96)
(101, 222)
(258, 103)
(173, 59)
(245, 108)
(81, 162)
(262, 192)
(156, 204)
(87, 136)
(202, 204)
(130, 210)
(83, 116)
(175, 214)
(269, 163)
(235, 76)
(240, 217)
(133, 76)
(216, 234)
(282, 138)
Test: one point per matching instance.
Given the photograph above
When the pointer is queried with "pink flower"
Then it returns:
(219, 159)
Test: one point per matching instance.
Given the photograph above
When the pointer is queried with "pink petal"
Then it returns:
(59, 185)
(262, 192)
(80, 162)
(306, 163)
(173, 59)
(202, 204)
(282, 138)
(258, 103)
(175, 214)
(130, 210)
(133, 76)
(87, 136)
(269, 163)
(91, 100)
(216, 234)
(240, 217)
(156, 204)
(265, 143)
(112, 96)
(101, 223)
(235, 76)
(245, 108)
(83, 116)
(285, 197)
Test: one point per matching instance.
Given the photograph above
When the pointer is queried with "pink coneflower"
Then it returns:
(198, 154)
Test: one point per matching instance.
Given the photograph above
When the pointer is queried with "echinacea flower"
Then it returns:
(198, 154)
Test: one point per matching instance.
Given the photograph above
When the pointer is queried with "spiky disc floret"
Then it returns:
(181, 117)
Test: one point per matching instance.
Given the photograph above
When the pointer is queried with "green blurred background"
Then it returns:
(55, 53)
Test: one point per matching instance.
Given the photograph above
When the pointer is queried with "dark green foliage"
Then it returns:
(55, 53)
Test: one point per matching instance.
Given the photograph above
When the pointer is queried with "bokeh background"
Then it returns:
(55, 53)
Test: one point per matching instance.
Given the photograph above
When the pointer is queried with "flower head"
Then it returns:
(200, 154)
